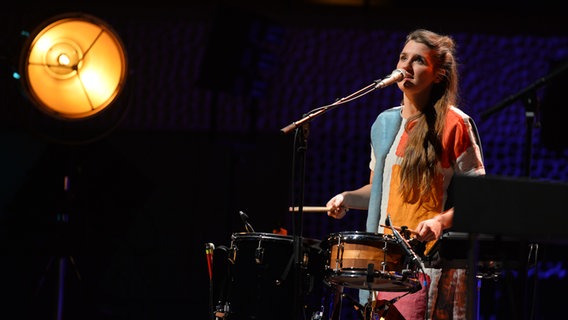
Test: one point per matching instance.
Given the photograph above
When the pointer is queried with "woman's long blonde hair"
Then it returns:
(424, 147)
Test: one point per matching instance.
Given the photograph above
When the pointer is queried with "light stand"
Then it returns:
(72, 68)
(63, 218)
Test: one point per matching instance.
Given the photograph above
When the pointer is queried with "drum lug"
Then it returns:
(339, 257)
(259, 253)
(232, 256)
(305, 260)
(384, 265)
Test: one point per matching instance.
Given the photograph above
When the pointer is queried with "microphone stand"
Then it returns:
(301, 127)
(530, 101)
(528, 96)
(321, 110)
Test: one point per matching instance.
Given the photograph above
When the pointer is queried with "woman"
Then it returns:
(416, 149)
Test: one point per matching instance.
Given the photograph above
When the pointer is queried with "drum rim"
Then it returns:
(355, 235)
(381, 280)
(264, 235)
(272, 236)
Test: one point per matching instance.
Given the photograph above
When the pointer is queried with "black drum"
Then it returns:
(262, 273)
(366, 260)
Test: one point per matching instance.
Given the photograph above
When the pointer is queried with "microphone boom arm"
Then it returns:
(396, 76)
(321, 110)
(524, 92)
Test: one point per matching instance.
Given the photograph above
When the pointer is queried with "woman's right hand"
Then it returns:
(336, 207)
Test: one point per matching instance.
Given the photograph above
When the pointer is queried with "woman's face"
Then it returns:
(416, 59)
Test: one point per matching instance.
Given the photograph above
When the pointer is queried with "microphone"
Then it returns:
(209, 247)
(407, 248)
(396, 76)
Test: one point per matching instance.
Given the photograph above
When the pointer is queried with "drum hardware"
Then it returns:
(406, 232)
(371, 274)
(338, 260)
(384, 263)
(333, 302)
(222, 311)
(232, 256)
(305, 260)
(218, 289)
(380, 309)
(406, 273)
(318, 315)
(259, 252)
(489, 270)
(245, 219)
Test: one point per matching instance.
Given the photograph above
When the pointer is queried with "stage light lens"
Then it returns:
(74, 67)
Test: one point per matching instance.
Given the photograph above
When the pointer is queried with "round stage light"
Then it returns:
(73, 66)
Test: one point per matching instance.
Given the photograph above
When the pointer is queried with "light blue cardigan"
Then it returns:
(383, 133)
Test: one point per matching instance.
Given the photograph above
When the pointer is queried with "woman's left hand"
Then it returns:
(429, 230)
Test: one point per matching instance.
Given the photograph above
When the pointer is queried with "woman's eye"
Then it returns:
(419, 60)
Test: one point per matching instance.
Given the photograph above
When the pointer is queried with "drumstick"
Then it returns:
(399, 229)
(309, 209)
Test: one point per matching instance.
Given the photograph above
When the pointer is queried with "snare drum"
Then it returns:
(369, 261)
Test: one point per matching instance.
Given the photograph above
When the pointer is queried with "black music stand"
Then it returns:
(518, 208)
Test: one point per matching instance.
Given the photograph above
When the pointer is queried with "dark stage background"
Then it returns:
(196, 139)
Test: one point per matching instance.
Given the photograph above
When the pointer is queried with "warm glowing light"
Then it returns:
(75, 67)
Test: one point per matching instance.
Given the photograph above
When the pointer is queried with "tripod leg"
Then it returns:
(61, 287)
(61, 282)
(72, 260)
(42, 279)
